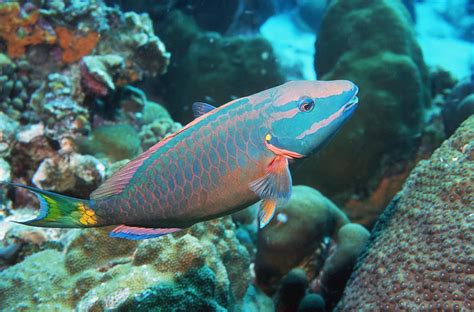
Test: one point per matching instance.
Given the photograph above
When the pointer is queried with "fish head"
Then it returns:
(305, 115)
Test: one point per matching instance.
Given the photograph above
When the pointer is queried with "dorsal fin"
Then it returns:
(200, 108)
(119, 180)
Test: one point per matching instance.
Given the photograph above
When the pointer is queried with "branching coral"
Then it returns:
(20, 31)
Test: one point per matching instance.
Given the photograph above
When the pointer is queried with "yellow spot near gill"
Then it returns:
(268, 137)
(88, 215)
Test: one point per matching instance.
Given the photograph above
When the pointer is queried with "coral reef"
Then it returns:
(419, 255)
(16, 86)
(203, 267)
(58, 60)
(57, 105)
(320, 247)
(393, 81)
(21, 31)
(74, 174)
(298, 231)
(8, 129)
(218, 63)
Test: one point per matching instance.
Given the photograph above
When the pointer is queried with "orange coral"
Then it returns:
(21, 31)
(75, 46)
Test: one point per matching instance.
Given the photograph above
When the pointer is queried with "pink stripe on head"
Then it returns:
(285, 115)
(323, 123)
(293, 90)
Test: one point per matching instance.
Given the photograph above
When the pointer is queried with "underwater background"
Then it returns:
(381, 219)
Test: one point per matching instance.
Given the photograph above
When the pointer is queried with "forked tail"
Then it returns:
(61, 211)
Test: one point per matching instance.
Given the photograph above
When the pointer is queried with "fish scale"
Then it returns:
(174, 202)
(227, 159)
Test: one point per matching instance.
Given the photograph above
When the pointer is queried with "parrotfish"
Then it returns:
(227, 159)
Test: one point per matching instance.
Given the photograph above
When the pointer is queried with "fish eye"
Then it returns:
(306, 104)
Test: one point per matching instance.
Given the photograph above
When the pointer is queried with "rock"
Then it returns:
(9, 255)
(31, 149)
(99, 72)
(204, 267)
(459, 105)
(350, 241)
(291, 291)
(296, 237)
(419, 255)
(73, 174)
(393, 80)
(312, 303)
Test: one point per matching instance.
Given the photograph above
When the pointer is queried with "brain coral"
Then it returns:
(420, 255)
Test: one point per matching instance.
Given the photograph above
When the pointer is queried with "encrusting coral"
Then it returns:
(74, 45)
(20, 31)
(420, 253)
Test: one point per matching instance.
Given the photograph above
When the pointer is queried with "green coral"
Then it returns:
(115, 142)
(179, 296)
(371, 43)
(222, 67)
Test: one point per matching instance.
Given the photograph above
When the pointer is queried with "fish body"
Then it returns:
(225, 160)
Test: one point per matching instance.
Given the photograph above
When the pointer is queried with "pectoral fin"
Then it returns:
(274, 188)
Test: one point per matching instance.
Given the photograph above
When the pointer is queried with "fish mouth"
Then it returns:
(352, 104)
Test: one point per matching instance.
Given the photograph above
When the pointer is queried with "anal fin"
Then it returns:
(137, 233)
(267, 210)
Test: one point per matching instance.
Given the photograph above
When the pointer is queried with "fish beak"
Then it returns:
(352, 103)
